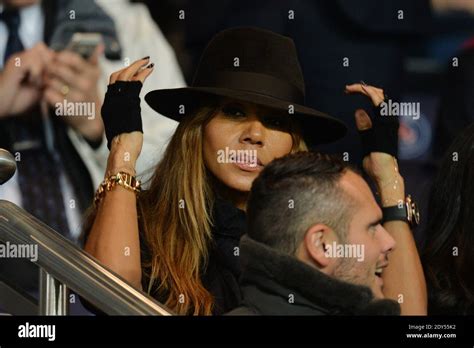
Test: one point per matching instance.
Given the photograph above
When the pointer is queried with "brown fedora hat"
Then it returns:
(252, 65)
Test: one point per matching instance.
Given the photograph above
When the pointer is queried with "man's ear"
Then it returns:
(315, 244)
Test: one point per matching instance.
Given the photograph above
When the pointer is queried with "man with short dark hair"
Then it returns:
(315, 243)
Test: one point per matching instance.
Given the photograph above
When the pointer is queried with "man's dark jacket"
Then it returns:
(273, 283)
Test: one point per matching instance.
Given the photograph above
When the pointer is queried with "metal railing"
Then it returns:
(64, 266)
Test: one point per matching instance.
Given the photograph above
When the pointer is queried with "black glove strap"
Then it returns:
(383, 136)
(121, 110)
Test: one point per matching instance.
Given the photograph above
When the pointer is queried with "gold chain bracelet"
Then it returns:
(123, 179)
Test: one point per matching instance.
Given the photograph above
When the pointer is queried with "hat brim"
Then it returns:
(317, 127)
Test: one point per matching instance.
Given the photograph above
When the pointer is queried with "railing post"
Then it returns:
(53, 295)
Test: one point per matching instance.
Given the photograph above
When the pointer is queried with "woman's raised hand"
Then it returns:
(379, 138)
(139, 70)
(122, 114)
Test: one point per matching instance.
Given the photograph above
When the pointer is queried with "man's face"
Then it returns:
(365, 233)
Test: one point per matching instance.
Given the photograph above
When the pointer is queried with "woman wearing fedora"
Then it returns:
(178, 240)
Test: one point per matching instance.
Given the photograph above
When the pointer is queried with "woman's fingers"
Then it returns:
(144, 73)
(375, 94)
(131, 72)
(363, 121)
(115, 75)
(133, 69)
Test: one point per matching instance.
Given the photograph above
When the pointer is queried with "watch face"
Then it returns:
(416, 213)
(412, 212)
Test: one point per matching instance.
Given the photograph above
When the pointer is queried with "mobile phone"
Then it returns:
(84, 43)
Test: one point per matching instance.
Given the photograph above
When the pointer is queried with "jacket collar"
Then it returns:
(269, 278)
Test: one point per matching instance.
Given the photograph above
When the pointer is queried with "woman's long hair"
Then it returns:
(175, 218)
(448, 256)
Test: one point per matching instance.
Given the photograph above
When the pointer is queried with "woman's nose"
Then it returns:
(253, 132)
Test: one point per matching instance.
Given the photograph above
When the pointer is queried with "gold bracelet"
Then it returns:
(123, 179)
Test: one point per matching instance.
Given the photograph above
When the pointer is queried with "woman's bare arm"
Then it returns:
(403, 278)
(114, 236)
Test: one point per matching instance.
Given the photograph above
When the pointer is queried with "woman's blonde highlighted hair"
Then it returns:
(175, 218)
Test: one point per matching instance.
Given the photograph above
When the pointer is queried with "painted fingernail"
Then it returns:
(147, 57)
(150, 66)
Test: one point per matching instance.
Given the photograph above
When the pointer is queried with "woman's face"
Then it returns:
(241, 139)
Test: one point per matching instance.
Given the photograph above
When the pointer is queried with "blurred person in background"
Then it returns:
(33, 79)
(52, 181)
(447, 255)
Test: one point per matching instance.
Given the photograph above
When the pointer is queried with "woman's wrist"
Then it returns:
(391, 190)
(120, 161)
(113, 171)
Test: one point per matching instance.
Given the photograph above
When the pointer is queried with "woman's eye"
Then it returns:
(274, 121)
(233, 111)
(278, 122)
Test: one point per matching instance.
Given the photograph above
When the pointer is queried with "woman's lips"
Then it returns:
(249, 167)
(247, 163)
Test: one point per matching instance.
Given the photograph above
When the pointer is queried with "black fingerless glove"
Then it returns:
(383, 136)
(121, 109)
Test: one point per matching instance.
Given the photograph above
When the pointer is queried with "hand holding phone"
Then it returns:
(84, 44)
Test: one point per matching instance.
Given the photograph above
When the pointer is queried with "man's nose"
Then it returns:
(387, 242)
(253, 132)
